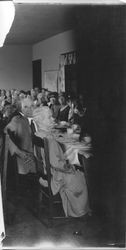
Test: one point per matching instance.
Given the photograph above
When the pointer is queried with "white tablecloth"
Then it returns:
(72, 145)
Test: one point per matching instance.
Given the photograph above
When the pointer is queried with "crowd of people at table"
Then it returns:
(68, 108)
(18, 110)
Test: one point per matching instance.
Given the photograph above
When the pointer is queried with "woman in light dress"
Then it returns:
(66, 180)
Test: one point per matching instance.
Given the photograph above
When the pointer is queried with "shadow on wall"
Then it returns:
(101, 36)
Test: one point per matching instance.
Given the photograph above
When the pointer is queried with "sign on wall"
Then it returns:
(50, 80)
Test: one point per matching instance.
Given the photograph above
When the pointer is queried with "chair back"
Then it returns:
(48, 165)
(53, 203)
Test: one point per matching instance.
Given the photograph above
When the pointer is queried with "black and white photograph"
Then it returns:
(62, 124)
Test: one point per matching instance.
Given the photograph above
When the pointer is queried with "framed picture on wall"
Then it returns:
(50, 80)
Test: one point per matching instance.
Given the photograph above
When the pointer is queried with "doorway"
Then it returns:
(71, 79)
(37, 73)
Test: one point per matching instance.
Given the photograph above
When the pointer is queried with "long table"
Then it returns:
(70, 143)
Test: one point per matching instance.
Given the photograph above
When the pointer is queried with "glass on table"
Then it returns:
(69, 131)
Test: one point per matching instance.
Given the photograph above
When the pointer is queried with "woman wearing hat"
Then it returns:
(64, 108)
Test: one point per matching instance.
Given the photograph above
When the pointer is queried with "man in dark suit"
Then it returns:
(22, 175)
(20, 143)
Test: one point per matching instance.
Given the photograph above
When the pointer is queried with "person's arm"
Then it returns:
(14, 150)
(11, 130)
(78, 112)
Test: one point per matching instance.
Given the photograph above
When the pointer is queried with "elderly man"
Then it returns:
(22, 176)
(21, 138)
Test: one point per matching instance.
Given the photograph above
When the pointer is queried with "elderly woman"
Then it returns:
(68, 181)
(43, 119)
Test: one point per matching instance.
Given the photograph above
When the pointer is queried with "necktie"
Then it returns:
(33, 127)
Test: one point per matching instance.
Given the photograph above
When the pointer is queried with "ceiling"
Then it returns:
(36, 22)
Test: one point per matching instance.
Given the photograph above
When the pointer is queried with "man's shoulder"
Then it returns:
(14, 123)
(17, 118)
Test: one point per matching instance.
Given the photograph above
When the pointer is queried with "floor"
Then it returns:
(25, 230)
(98, 230)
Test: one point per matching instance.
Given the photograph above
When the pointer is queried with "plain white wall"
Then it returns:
(50, 49)
(16, 60)
(16, 67)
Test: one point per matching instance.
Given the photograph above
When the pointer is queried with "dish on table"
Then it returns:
(62, 126)
(63, 123)
(75, 136)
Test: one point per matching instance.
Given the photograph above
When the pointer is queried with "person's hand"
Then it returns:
(69, 168)
(21, 154)
(76, 111)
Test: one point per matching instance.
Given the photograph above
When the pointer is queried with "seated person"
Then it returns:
(43, 118)
(68, 181)
(76, 112)
(54, 105)
(33, 96)
(71, 103)
(2, 97)
(64, 108)
(41, 101)
(8, 96)
(47, 93)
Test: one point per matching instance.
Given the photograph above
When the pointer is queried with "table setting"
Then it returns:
(69, 138)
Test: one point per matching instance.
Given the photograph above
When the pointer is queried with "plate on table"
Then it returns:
(75, 136)
(77, 131)
(62, 126)
(61, 129)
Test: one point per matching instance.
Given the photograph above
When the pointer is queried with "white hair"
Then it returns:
(26, 102)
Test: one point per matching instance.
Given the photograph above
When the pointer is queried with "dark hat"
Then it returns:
(53, 95)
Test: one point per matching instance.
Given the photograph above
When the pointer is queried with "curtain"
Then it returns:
(65, 59)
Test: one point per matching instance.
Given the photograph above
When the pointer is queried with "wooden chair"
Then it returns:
(48, 202)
